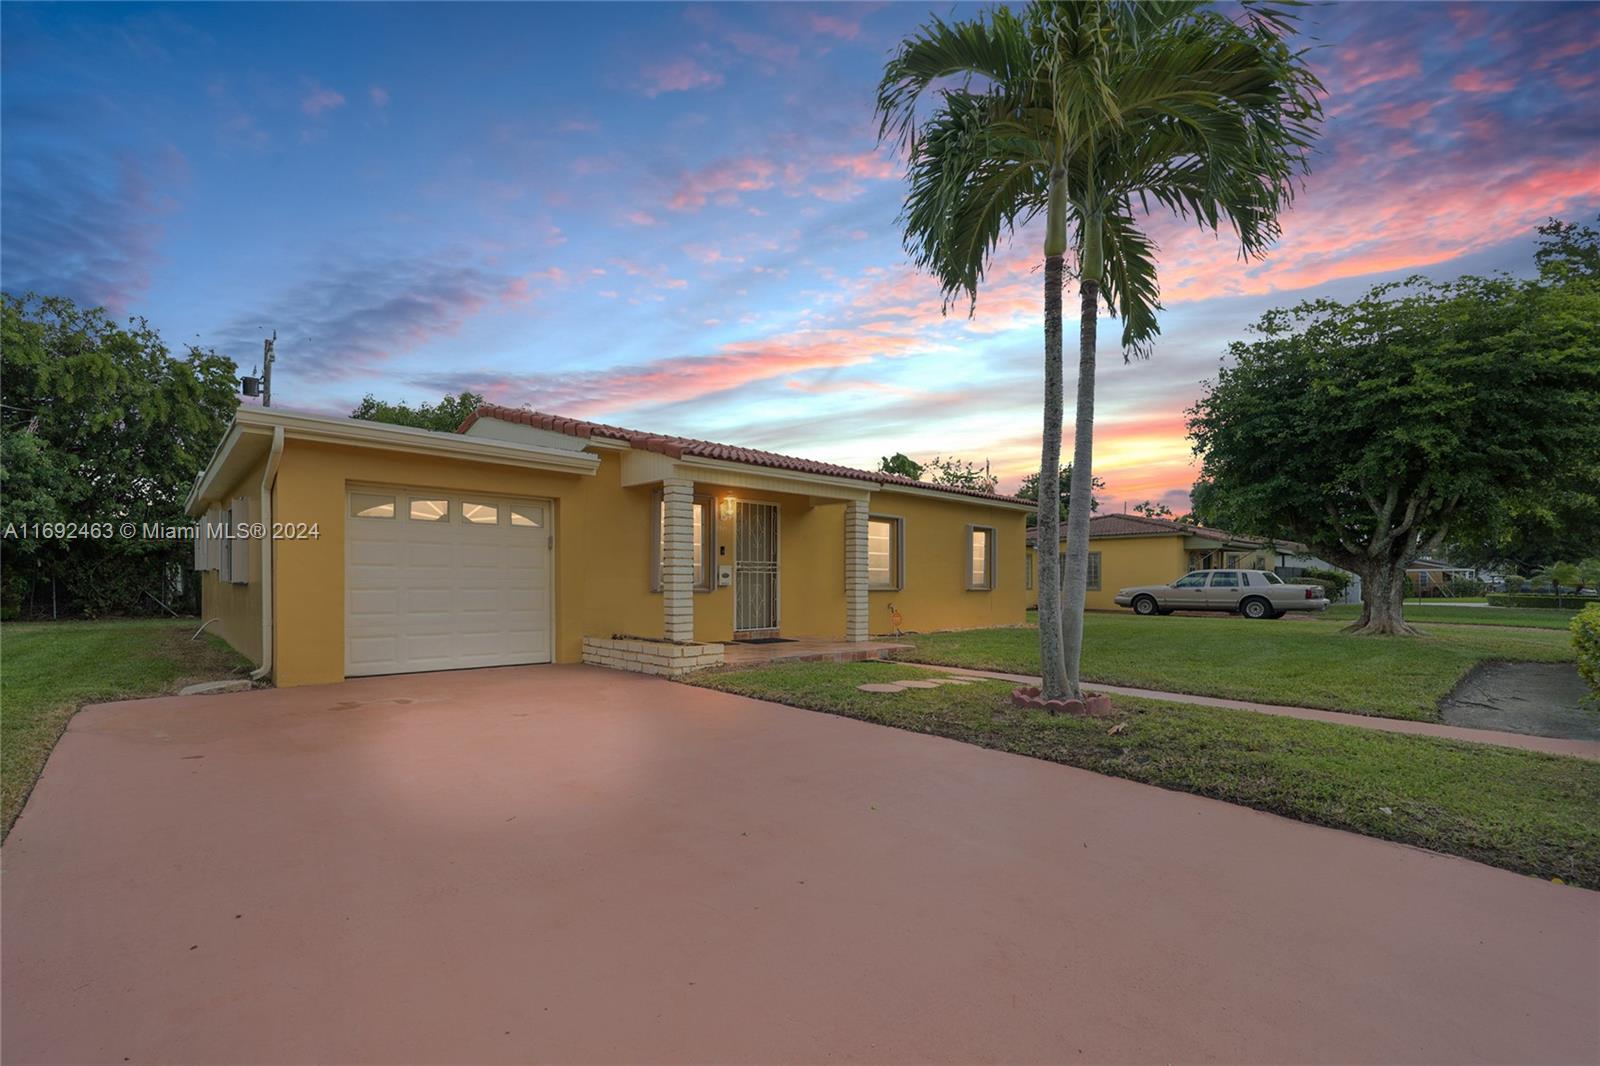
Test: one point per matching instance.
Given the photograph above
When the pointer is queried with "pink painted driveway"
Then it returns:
(565, 864)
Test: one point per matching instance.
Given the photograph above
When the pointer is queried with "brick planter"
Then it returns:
(663, 658)
(1090, 706)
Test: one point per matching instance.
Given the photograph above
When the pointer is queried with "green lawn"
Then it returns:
(1287, 661)
(53, 668)
(1537, 814)
(1523, 617)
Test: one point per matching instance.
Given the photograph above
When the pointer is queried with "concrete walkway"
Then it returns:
(1583, 749)
(566, 864)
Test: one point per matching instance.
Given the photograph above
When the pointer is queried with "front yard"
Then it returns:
(1304, 663)
(53, 668)
(1533, 813)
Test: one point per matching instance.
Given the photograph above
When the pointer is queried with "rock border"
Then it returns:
(1028, 698)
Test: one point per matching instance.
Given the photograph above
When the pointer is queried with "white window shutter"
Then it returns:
(213, 538)
(241, 545)
(200, 544)
(225, 563)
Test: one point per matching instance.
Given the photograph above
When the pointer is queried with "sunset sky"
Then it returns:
(678, 219)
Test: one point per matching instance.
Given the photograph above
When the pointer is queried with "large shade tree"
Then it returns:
(1378, 430)
(1093, 115)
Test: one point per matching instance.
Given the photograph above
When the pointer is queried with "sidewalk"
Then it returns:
(1582, 749)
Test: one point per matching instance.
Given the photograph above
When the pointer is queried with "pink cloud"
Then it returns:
(722, 182)
(834, 26)
(319, 100)
(640, 218)
(679, 76)
(379, 96)
(1478, 81)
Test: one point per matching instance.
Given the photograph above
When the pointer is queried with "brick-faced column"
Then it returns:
(677, 558)
(855, 570)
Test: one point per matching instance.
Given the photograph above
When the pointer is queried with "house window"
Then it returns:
(1094, 572)
(885, 553)
(980, 557)
(705, 536)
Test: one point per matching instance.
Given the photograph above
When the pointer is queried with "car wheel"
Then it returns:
(1255, 607)
(1144, 605)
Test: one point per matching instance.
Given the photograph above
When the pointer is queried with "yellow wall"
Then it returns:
(935, 595)
(1127, 561)
(236, 609)
(602, 563)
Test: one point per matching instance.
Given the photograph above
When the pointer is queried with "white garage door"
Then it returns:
(440, 581)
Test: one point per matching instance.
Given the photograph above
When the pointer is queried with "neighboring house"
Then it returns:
(529, 538)
(1430, 577)
(1129, 549)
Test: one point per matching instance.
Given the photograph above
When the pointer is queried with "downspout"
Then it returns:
(269, 478)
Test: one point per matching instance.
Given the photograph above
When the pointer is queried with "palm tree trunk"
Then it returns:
(1081, 501)
(1052, 664)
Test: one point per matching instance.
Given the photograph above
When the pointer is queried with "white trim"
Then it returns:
(957, 497)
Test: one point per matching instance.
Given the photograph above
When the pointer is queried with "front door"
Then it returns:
(755, 570)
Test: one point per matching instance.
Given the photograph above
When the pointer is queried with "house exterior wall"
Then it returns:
(602, 567)
(935, 595)
(1127, 561)
(234, 611)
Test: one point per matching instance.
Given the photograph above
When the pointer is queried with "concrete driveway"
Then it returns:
(559, 863)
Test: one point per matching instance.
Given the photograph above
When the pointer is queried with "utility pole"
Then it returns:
(266, 368)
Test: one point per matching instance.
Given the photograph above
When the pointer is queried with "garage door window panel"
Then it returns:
(527, 515)
(480, 513)
(371, 505)
(429, 510)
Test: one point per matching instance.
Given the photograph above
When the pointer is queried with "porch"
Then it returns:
(741, 653)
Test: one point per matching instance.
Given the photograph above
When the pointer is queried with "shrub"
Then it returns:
(1535, 599)
(1586, 641)
(1335, 581)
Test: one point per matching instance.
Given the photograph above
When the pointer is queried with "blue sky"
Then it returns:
(677, 217)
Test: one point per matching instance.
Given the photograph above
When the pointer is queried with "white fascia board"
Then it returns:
(256, 422)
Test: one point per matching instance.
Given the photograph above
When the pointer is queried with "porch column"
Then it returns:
(677, 562)
(855, 570)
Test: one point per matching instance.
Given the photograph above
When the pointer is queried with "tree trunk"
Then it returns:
(1052, 665)
(1383, 591)
(1080, 503)
(1047, 546)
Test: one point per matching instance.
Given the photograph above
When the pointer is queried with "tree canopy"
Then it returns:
(443, 416)
(1029, 490)
(100, 423)
(1376, 430)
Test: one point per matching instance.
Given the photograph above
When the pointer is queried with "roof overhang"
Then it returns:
(249, 437)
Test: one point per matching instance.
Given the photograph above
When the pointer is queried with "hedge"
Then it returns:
(1539, 599)
(1586, 641)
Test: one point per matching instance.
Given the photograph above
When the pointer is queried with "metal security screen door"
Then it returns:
(755, 568)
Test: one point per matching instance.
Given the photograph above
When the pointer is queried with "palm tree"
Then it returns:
(1092, 113)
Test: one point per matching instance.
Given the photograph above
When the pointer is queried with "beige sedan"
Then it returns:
(1252, 593)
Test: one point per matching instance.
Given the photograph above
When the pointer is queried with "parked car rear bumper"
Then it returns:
(1122, 599)
(1305, 605)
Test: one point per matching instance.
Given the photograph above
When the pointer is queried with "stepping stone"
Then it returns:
(879, 688)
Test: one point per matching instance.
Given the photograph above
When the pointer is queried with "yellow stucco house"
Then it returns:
(1127, 549)
(530, 538)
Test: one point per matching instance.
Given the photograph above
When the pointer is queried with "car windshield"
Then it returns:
(1272, 579)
